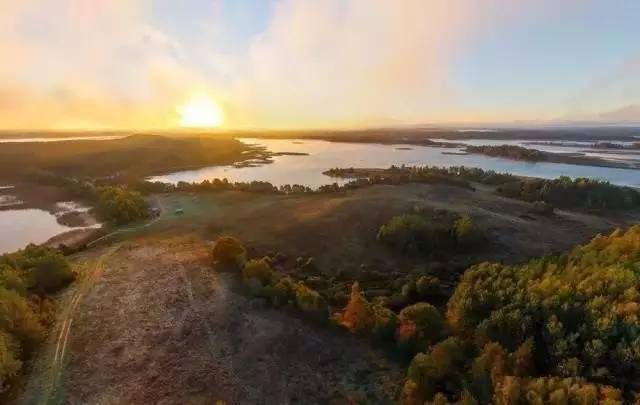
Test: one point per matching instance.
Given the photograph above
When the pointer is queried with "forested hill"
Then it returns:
(135, 155)
(555, 330)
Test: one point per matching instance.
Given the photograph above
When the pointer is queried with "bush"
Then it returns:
(357, 315)
(258, 269)
(440, 370)
(283, 291)
(420, 324)
(37, 268)
(119, 206)
(412, 233)
(19, 319)
(49, 273)
(436, 232)
(428, 286)
(467, 234)
(229, 251)
(24, 315)
(310, 301)
(9, 359)
(542, 208)
(362, 316)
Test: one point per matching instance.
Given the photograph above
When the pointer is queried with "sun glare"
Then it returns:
(201, 112)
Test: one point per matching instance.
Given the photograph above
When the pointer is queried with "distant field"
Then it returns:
(339, 229)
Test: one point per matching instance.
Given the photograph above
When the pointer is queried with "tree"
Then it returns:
(228, 250)
(440, 370)
(419, 324)
(119, 206)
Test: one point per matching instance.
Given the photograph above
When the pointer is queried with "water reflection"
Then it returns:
(20, 227)
(323, 155)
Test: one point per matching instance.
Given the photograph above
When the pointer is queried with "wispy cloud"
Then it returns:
(99, 63)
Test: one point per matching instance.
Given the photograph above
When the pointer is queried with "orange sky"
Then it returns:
(119, 64)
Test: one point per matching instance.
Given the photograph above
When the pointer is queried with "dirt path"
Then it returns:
(152, 323)
(43, 386)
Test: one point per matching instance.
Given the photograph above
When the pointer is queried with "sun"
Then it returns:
(200, 112)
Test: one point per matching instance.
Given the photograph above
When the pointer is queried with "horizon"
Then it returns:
(300, 65)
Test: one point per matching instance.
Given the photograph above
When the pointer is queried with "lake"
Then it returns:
(324, 155)
(23, 226)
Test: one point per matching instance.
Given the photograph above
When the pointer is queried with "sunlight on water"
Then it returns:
(323, 155)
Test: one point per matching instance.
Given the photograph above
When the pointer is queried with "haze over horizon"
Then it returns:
(250, 64)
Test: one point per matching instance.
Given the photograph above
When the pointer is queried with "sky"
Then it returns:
(135, 64)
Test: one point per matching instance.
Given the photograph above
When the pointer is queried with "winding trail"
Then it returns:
(44, 385)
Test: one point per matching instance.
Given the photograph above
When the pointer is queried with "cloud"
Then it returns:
(629, 113)
(86, 64)
(619, 87)
(112, 63)
(351, 63)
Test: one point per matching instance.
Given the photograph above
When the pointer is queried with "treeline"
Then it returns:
(455, 176)
(508, 151)
(559, 329)
(27, 278)
(564, 192)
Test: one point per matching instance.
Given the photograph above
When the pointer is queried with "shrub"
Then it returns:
(413, 233)
(9, 359)
(258, 269)
(19, 319)
(283, 291)
(119, 206)
(407, 233)
(467, 234)
(24, 316)
(362, 316)
(428, 286)
(420, 324)
(440, 370)
(357, 315)
(37, 268)
(384, 323)
(229, 251)
(12, 279)
(309, 300)
(542, 208)
(50, 272)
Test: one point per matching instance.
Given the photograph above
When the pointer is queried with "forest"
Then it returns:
(557, 329)
(28, 278)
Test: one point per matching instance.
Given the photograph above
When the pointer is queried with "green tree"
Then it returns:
(228, 250)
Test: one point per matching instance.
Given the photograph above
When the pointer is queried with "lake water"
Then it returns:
(20, 227)
(323, 155)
